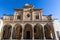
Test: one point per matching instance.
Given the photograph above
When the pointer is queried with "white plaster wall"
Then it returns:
(1, 24)
(56, 24)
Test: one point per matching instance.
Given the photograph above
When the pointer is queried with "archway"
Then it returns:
(48, 31)
(27, 31)
(17, 32)
(38, 31)
(6, 32)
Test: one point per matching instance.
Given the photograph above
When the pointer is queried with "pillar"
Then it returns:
(33, 31)
(22, 31)
(11, 33)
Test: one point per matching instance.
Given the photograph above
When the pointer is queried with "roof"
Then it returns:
(18, 9)
(27, 6)
(8, 15)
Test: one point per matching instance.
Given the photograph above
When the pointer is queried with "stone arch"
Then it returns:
(27, 31)
(6, 31)
(48, 31)
(38, 31)
(17, 31)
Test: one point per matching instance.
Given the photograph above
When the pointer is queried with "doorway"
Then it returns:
(28, 35)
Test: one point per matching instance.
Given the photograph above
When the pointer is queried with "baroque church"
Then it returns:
(28, 23)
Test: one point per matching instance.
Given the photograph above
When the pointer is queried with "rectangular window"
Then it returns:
(19, 17)
(37, 16)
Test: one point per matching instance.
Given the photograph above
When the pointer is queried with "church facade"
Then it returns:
(28, 23)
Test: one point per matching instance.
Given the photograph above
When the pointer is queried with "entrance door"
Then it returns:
(28, 35)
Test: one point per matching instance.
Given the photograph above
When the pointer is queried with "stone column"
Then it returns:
(33, 31)
(11, 33)
(43, 32)
(22, 32)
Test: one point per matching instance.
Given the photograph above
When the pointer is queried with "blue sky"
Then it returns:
(48, 6)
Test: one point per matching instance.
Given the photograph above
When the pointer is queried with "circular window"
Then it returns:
(28, 15)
